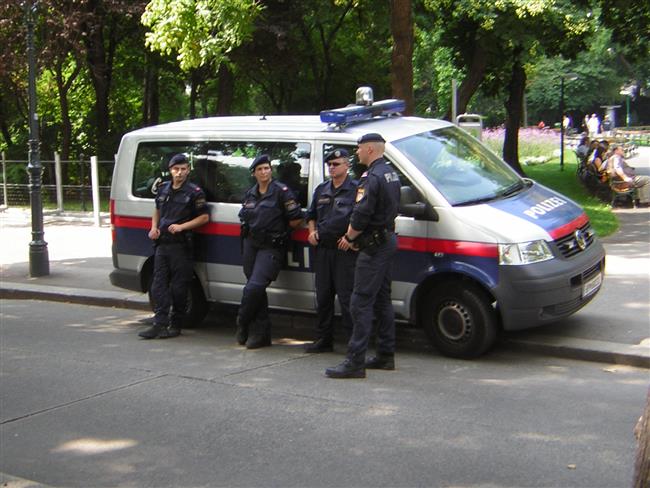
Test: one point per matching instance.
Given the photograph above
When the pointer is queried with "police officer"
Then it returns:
(328, 218)
(269, 211)
(372, 232)
(180, 207)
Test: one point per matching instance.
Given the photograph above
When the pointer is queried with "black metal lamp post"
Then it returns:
(570, 77)
(39, 264)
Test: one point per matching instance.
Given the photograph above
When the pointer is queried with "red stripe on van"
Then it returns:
(132, 222)
(570, 227)
(464, 248)
(405, 243)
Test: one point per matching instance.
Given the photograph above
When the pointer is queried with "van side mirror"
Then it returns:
(411, 207)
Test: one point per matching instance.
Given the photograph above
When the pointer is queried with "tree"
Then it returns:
(495, 42)
(201, 33)
(401, 23)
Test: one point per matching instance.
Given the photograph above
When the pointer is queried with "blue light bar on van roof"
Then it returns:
(355, 113)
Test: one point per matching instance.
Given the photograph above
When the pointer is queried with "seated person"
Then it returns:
(598, 162)
(584, 148)
(622, 172)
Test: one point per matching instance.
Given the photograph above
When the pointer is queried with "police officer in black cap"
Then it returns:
(328, 218)
(180, 207)
(269, 212)
(372, 232)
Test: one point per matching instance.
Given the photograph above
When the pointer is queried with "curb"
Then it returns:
(564, 347)
(583, 349)
(80, 296)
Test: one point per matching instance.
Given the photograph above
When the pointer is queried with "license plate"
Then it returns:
(591, 286)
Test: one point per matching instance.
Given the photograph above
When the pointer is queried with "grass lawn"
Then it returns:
(566, 182)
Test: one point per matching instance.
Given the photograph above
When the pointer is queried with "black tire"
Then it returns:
(197, 305)
(459, 320)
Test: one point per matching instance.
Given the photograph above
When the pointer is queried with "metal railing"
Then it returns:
(81, 184)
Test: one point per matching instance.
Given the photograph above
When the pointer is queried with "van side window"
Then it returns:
(151, 164)
(220, 168)
(222, 171)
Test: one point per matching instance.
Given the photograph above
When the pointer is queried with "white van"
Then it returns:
(480, 248)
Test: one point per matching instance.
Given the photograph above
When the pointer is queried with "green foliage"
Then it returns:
(199, 31)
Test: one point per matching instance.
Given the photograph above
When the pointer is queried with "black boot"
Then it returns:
(257, 341)
(259, 335)
(321, 345)
(241, 334)
(347, 369)
(152, 332)
(382, 360)
(169, 332)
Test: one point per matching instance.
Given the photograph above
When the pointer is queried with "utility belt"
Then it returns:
(328, 242)
(275, 240)
(371, 239)
(178, 238)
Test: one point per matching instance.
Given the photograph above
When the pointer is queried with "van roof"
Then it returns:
(391, 128)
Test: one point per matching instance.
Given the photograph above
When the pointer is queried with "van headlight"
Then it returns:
(524, 252)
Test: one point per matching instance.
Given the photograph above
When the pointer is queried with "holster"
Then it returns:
(370, 241)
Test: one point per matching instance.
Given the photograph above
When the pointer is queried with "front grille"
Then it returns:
(568, 245)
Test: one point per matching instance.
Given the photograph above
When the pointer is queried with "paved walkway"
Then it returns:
(614, 327)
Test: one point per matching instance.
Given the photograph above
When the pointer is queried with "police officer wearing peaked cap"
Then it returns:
(328, 218)
(180, 208)
(269, 211)
(372, 232)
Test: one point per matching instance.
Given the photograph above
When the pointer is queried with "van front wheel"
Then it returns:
(459, 320)
(197, 305)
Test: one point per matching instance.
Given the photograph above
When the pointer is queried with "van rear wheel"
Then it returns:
(459, 320)
(197, 305)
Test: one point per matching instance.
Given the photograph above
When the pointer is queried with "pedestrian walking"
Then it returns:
(269, 212)
(180, 208)
(328, 218)
(372, 232)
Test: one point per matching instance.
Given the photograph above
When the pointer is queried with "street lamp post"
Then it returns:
(39, 264)
(570, 77)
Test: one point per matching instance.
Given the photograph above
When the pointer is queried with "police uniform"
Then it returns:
(334, 269)
(265, 236)
(377, 205)
(173, 265)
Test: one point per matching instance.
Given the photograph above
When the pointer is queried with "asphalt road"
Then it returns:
(86, 403)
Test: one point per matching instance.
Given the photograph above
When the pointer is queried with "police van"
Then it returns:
(480, 249)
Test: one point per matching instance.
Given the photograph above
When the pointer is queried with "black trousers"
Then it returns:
(172, 274)
(334, 271)
(261, 267)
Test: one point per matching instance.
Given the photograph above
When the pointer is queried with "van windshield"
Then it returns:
(459, 166)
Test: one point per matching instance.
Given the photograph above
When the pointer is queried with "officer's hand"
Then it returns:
(313, 238)
(343, 244)
(174, 228)
(154, 234)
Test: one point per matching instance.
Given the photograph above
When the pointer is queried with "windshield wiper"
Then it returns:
(476, 201)
(512, 189)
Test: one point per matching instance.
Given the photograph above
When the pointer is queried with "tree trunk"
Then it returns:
(514, 106)
(401, 25)
(226, 90)
(4, 128)
(100, 63)
(151, 105)
(63, 86)
(642, 434)
(193, 93)
(472, 81)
